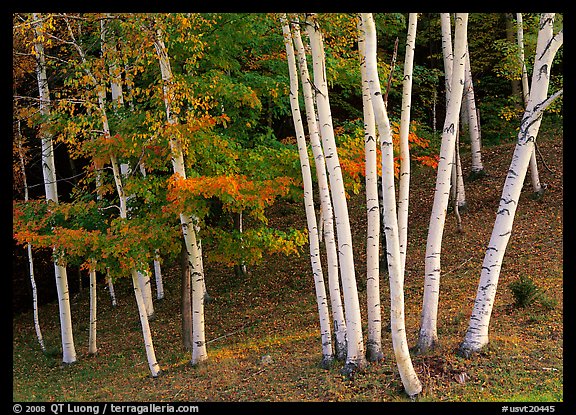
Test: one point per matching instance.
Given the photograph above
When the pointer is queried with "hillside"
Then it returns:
(273, 312)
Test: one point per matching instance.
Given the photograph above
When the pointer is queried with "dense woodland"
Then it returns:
(150, 147)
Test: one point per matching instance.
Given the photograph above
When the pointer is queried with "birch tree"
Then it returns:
(547, 45)
(50, 186)
(537, 187)
(374, 342)
(404, 182)
(199, 353)
(313, 240)
(21, 157)
(477, 168)
(355, 344)
(428, 336)
(123, 209)
(326, 210)
(410, 380)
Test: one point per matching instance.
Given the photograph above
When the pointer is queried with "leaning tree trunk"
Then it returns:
(49, 172)
(537, 187)
(193, 251)
(410, 380)
(355, 356)
(326, 210)
(428, 336)
(314, 243)
(548, 44)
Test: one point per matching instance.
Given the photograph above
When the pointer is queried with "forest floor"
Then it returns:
(273, 312)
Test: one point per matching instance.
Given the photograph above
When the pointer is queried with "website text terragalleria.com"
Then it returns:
(106, 408)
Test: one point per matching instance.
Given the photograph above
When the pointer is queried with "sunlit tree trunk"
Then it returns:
(326, 210)
(189, 228)
(537, 187)
(547, 45)
(410, 380)
(355, 357)
(428, 336)
(374, 341)
(49, 172)
(147, 334)
(314, 244)
(29, 247)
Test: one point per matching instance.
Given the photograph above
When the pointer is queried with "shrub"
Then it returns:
(524, 291)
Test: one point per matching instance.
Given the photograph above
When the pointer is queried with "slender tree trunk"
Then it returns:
(157, 266)
(189, 227)
(326, 212)
(49, 172)
(404, 182)
(143, 276)
(150, 353)
(410, 380)
(186, 299)
(547, 45)
(537, 187)
(92, 349)
(374, 342)
(355, 357)
(158, 275)
(477, 168)
(428, 336)
(29, 249)
(240, 268)
(314, 244)
(515, 83)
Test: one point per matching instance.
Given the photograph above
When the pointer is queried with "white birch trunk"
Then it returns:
(314, 244)
(404, 182)
(146, 332)
(477, 167)
(428, 336)
(143, 276)
(157, 266)
(158, 276)
(92, 348)
(49, 172)
(29, 249)
(537, 187)
(355, 357)
(189, 228)
(410, 380)
(374, 341)
(326, 211)
(548, 44)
